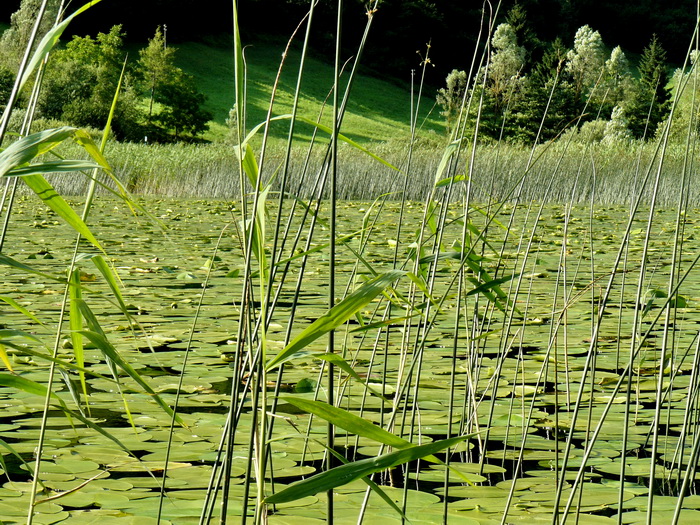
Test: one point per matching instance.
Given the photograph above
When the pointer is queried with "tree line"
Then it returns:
(158, 102)
(519, 98)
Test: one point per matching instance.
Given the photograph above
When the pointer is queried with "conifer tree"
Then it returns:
(649, 103)
(548, 97)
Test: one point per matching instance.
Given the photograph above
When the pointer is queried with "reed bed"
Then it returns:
(609, 173)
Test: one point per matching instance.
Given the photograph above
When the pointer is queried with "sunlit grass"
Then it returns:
(378, 110)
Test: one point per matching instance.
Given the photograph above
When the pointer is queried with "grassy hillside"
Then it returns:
(378, 111)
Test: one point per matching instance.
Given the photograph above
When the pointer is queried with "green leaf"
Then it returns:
(57, 166)
(376, 488)
(451, 180)
(345, 367)
(347, 421)
(351, 142)
(349, 472)
(30, 468)
(28, 148)
(101, 342)
(250, 164)
(336, 316)
(20, 309)
(54, 201)
(29, 386)
(111, 279)
(445, 160)
(76, 325)
(9, 261)
(492, 284)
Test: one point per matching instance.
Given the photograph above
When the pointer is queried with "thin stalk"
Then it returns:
(330, 431)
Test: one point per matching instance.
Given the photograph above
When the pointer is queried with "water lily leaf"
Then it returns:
(343, 474)
(336, 316)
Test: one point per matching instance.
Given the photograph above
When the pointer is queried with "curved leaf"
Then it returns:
(349, 472)
(336, 316)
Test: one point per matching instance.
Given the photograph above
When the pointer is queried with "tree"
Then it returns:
(586, 61)
(504, 82)
(14, 40)
(157, 64)
(450, 98)
(616, 129)
(81, 81)
(175, 104)
(618, 79)
(549, 97)
(517, 19)
(7, 81)
(182, 106)
(649, 102)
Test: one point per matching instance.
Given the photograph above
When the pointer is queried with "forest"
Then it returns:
(539, 58)
(402, 26)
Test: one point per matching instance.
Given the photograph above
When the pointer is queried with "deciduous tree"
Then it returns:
(175, 104)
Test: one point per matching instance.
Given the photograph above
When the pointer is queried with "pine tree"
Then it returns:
(649, 104)
(547, 80)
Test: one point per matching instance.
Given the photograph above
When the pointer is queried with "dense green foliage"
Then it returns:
(81, 80)
(515, 98)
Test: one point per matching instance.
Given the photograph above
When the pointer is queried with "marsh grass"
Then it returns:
(470, 340)
(609, 174)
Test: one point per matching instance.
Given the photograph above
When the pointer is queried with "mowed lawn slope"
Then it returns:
(378, 111)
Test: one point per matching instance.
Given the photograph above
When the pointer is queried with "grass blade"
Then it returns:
(349, 472)
(336, 316)
(53, 200)
(101, 342)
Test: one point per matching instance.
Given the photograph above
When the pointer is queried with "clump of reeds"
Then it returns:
(464, 275)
